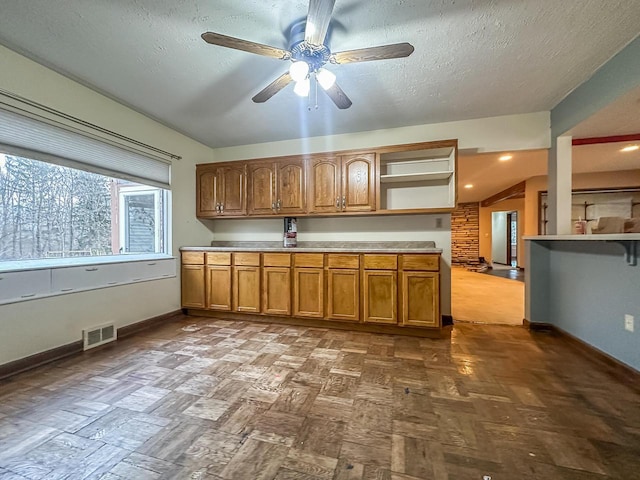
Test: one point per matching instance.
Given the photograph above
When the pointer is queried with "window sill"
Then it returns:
(49, 263)
(31, 280)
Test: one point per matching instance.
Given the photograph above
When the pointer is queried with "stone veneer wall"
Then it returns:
(465, 234)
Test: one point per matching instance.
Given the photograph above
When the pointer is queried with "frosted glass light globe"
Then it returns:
(299, 71)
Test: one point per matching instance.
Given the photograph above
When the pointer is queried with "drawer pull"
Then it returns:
(66, 289)
(136, 279)
(166, 275)
(91, 269)
(28, 296)
(152, 263)
(111, 283)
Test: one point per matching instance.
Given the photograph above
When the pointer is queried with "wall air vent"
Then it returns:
(99, 335)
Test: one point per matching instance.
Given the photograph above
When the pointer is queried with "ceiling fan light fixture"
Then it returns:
(302, 88)
(299, 71)
(325, 78)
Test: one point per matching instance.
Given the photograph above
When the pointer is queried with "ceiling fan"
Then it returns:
(308, 53)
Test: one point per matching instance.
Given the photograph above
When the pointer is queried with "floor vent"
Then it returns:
(99, 335)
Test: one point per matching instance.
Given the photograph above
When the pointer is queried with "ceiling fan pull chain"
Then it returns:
(316, 82)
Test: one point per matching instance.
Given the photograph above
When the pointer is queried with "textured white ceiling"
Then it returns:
(472, 59)
(621, 117)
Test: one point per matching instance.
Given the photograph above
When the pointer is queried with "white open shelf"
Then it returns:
(418, 179)
(415, 177)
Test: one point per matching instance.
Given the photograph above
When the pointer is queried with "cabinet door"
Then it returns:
(324, 185)
(380, 294)
(262, 183)
(420, 293)
(231, 187)
(193, 289)
(276, 290)
(206, 178)
(291, 191)
(246, 289)
(343, 294)
(358, 183)
(218, 288)
(308, 292)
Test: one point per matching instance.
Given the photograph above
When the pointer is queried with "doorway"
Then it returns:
(504, 238)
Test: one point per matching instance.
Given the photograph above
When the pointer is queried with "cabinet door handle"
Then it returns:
(28, 296)
(344, 202)
(66, 289)
(94, 269)
(273, 206)
(278, 203)
(217, 207)
(222, 208)
(338, 203)
(152, 263)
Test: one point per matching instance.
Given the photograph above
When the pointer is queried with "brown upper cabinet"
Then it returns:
(277, 188)
(221, 190)
(342, 184)
(395, 179)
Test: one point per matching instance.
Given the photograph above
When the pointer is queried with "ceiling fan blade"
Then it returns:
(384, 52)
(273, 88)
(239, 44)
(318, 18)
(338, 96)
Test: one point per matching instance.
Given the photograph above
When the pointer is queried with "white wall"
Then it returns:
(34, 326)
(510, 132)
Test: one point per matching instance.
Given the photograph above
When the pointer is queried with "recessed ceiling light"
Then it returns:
(504, 158)
(468, 185)
(630, 148)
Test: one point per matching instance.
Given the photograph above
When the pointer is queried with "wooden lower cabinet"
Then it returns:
(246, 289)
(218, 285)
(380, 296)
(193, 289)
(276, 290)
(343, 294)
(420, 294)
(401, 290)
(308, 292)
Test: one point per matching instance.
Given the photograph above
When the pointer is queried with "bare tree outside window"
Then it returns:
(50, 211)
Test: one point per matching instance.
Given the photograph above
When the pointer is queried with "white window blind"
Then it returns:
(24, 136)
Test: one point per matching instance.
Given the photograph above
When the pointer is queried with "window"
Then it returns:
(54, 211)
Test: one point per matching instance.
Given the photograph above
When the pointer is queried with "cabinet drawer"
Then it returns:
(16, 286)
(218, 258)
(247, 258)
(276, 259)
(421, 262)
(380, 262)
(309, 260)
(193, 258)
(343, 261)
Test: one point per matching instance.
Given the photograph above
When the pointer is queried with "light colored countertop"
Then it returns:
(590, 237)
(321, 247)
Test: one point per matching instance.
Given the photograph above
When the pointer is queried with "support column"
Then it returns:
(559, 165)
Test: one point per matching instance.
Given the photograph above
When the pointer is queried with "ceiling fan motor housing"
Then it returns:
(315, 55)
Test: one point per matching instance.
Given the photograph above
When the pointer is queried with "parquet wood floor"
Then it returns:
(201, 398)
